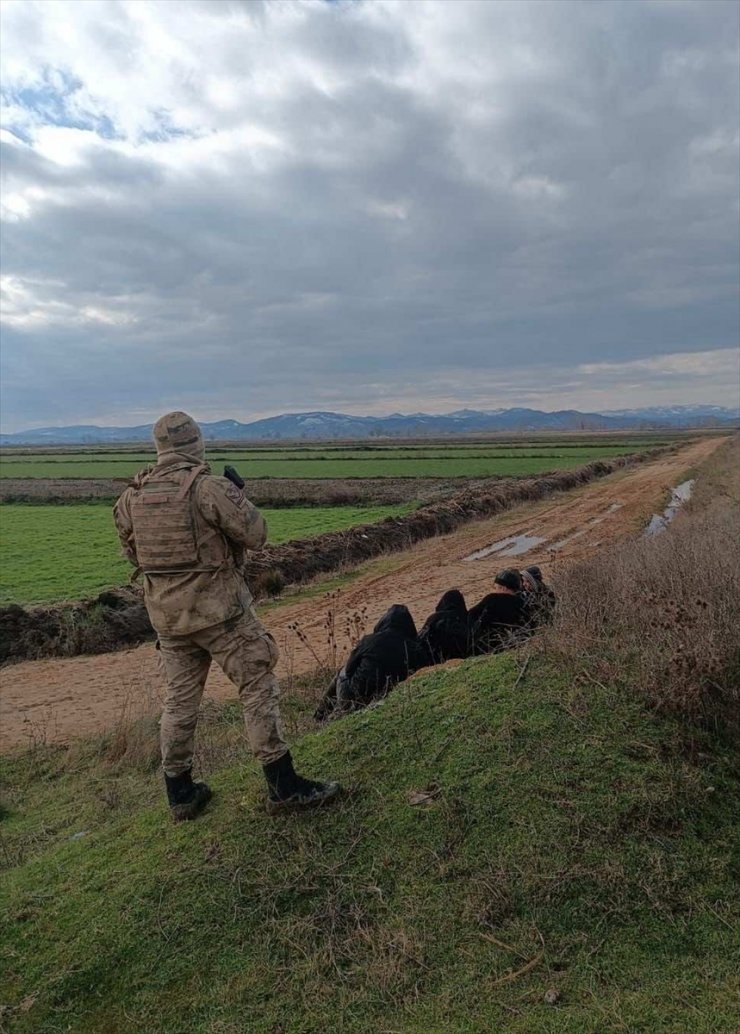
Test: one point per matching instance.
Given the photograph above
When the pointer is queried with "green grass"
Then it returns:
(570, 846)
(64, 552)
(448, 461)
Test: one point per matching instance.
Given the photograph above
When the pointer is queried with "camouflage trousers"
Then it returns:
(247, 654)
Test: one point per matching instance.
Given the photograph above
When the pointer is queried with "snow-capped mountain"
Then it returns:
(322, 425)
(677, 414)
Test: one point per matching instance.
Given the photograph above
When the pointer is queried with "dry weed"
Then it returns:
(662, 614)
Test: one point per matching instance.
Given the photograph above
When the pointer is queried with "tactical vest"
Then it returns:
(163, 516)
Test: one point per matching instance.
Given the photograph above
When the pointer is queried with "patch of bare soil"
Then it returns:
(57, 700)
(268, 492)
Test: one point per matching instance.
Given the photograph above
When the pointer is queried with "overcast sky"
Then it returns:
(245, 208)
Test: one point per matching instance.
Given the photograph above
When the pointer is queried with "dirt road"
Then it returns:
(60, 699)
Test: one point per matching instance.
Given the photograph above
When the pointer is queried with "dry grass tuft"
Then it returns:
(661, 614)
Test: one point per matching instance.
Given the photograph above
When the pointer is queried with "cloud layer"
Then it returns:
(242, 208)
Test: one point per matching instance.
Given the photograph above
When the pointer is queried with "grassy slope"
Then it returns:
(568, 827)
(62, 552)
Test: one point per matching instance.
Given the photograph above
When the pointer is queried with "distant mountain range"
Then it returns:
(322, 426)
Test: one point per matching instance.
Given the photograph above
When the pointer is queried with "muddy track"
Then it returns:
(57, 700)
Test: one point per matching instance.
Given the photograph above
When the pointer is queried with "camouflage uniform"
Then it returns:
(186, 531)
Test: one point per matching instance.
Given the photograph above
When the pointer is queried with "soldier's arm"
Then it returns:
(125, 527)
(227, 508)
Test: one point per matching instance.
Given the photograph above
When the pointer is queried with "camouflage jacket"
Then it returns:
(224, 526)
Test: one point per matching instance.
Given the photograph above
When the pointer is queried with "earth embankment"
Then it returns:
(267, 492)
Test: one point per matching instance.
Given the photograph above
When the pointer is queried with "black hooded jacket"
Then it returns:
(445, 633)
(379, 661)
(495, 621)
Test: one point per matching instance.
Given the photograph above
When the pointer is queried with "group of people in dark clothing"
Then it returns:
(519, 603)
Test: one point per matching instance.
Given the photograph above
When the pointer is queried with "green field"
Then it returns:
(64, 552)
(571, 873)
(443, 462)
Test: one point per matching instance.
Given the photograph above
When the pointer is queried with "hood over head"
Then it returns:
(529, 582)
(453, 601)
(178, 438)
(397, 619)
(535, 572)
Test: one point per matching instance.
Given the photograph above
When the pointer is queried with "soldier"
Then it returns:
(187, 531)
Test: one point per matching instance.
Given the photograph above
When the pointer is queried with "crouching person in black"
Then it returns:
(379, 661)
(539, 598)
(499, 620)
(446, 634)
(530, 602)
(544, 600)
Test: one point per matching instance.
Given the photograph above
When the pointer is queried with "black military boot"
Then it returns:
(187, 799)
(290, 792)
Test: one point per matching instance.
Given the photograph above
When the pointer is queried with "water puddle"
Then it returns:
(514, 545)
(679, 495)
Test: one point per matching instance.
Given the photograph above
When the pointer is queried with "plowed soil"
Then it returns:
(57, 700)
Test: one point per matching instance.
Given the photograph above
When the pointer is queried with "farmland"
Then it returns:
(442, 461)
(58, 544)
(51, 553)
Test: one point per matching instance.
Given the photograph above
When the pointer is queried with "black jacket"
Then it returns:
(497, 622)
(445, 633)
(379, 661)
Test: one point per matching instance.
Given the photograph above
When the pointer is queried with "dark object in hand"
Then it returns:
(234, 478)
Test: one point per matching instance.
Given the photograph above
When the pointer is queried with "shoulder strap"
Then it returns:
(188, 482)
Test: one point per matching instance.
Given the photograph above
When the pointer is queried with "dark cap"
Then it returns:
(510, 579)
(535, 572)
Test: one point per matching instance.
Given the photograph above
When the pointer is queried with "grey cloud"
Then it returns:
(486, 204)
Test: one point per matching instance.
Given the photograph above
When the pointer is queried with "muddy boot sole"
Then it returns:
(299, 803)
(192, 809)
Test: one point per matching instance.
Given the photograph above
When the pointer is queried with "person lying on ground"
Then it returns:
(499, 620)
(445, 634)
(380, 661)
(540, 599)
